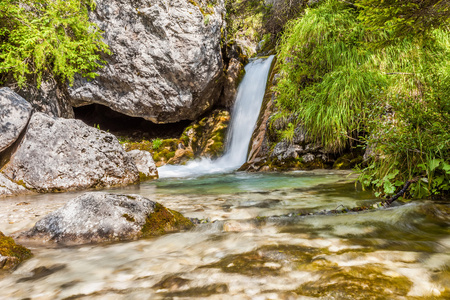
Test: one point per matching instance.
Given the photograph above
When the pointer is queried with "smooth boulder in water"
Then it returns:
(100, 217)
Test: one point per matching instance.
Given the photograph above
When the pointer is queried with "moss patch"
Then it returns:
(164, 220)
(9, 248)
(128, 218)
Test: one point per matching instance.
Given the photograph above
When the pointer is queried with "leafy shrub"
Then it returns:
(48, 38)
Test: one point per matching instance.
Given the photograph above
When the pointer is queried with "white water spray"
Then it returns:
(243, 119)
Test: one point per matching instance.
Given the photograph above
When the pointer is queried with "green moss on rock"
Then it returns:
(14, 253)
(164, 220)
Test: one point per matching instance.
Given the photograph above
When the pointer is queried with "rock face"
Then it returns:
(98, 217)
(14, 115)
(61, 154)
(11, 254)
(166, 64)
(145, 164)
(50, 98)
(9, 188)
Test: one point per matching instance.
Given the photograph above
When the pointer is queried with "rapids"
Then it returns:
(243, 250)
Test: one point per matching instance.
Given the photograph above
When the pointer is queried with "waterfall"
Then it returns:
(243, 119)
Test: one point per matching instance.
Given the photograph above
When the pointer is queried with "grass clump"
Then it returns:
(347, 90)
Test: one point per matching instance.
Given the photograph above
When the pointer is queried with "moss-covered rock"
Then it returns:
(103, 217)
(11, 254)
(203, 138)
(163, 220)
(206, 137)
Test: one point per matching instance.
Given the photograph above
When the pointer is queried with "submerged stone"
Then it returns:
(11, 254)
(356, 282)
(99, 217)
(267, 260)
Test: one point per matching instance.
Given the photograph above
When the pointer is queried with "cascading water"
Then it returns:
(243, 119)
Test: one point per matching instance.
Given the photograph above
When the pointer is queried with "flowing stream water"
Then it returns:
(251, 244)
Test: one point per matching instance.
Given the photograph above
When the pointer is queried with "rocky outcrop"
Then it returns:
(61, 154)
(166, 64)
(50, 98)
(99, 217)
(145, 164)
(9, 188)
(14, 115)
(11, 254)
(204, 138)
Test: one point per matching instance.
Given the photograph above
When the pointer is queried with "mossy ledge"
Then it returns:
(11, 254)
(164, 220)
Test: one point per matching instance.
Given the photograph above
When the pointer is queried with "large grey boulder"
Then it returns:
(145, 164)
(9, 188)
(14, 115)
(98, 217)
(61, 154)
(166, 64)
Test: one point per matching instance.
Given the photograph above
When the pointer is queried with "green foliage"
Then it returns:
(325, 75)
(156, 143)
(412, 136)
(48, 38)
(404, 18)
(396, 96)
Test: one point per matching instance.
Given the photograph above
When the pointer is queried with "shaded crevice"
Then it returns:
(105, 118)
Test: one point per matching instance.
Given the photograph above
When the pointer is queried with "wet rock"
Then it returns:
(99, 217)
(42, 272)
(145, 164)
(9, 188)
(171, 283)
(11, 254)
(181, 156)
(235, 73)
(61, 154)
(14, 115)
(166, 64)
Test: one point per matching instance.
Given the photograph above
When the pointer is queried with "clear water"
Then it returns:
(397, 253)
(243, 119)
